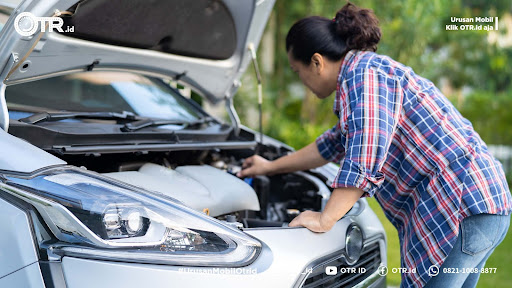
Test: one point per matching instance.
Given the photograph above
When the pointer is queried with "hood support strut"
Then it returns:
(233, 115)
(254, 59)
(4, 111)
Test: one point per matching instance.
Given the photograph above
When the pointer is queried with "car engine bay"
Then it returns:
(206, 181)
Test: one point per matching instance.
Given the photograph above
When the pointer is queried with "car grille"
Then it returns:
(370, 260)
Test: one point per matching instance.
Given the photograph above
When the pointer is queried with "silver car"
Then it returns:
(109, 177)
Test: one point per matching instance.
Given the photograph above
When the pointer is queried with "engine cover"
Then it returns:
(199, 187)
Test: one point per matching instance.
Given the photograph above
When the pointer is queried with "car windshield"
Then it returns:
(100, 92)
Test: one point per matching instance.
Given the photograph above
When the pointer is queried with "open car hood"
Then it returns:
(202, 43)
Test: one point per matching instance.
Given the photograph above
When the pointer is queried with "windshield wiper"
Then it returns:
(136, 125)
(138, 122)
(45, 116)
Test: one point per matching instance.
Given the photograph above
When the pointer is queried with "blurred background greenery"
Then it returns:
(472, 68)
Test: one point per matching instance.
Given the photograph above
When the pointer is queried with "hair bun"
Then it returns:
(358, 27)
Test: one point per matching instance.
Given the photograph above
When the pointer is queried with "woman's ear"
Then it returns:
(318, 63)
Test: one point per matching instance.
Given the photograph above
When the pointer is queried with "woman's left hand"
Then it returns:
(311, 220)
(341, 200)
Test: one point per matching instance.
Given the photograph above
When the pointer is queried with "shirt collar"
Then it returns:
(347, 61)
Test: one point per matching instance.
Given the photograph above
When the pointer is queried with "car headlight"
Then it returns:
(96, 217)
(353, 243)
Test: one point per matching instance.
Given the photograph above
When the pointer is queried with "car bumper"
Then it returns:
(288, 257)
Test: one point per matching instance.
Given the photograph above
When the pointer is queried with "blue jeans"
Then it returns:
(479, 236)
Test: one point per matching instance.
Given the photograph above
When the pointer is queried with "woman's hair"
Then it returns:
(351, 28)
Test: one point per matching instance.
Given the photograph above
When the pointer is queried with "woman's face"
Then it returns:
(317, 76)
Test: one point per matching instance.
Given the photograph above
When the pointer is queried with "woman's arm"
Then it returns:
(303, 159)
(341, 200)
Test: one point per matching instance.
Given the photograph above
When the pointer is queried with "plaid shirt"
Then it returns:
(399, 139)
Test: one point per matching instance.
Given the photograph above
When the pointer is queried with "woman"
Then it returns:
(400, 140)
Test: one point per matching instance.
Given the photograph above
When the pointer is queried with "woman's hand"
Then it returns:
(341, 200)
(255, 165)
(314, 221)
(304, 159)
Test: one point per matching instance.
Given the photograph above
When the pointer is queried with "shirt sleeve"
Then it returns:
(330, 144)
(371, 123)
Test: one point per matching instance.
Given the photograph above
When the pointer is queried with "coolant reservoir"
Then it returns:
(198, 187)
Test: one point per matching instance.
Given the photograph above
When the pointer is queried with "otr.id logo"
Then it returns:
(26, 24)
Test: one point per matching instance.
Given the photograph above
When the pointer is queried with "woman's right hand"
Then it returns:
(255, 165)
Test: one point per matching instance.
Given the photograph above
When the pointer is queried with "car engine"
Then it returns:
(206, 182)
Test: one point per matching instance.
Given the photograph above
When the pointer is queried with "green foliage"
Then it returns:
(413, 33)
(489, 112)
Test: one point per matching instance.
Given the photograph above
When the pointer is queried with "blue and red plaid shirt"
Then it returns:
(399, 139)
